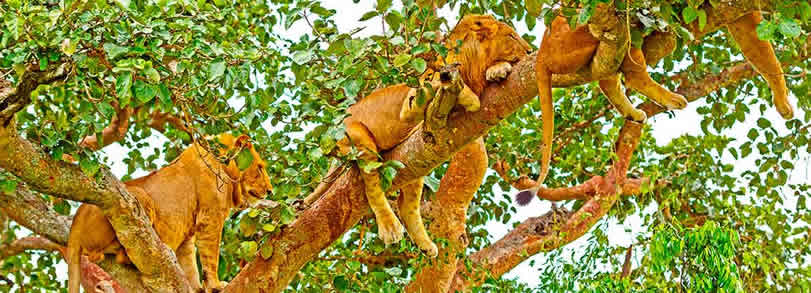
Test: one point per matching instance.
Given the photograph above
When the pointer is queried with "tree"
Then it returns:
(80, 75)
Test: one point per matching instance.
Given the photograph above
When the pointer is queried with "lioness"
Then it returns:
(187, 202)
(564, 50)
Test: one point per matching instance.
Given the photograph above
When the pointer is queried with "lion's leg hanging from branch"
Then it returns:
(761, 55)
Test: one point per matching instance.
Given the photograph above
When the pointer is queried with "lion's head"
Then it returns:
(480, 41)
(252, 183)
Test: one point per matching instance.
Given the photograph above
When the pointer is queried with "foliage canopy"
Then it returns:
(730, 217)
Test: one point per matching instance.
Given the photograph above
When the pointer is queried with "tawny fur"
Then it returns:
(375, 125)
(566, 51)
(187, 205)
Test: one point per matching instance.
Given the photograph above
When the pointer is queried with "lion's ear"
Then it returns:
(243, 141)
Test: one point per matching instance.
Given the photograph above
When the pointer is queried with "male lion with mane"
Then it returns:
(386, 117)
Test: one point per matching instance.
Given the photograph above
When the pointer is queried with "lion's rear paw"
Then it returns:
(216, 287)
(389, 230)
(431, 250)
(674, 101)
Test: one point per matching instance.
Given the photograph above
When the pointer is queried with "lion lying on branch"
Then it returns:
(564, 51)
(386, 117)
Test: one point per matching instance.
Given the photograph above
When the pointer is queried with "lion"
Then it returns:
(386, 117)
(187, 202)
(565, 50)
(580, 45)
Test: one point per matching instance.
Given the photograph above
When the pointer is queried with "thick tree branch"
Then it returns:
(31, 211)
(448, 215)
(556, 228)
(119, 125)
(27, 243)
(13, 99)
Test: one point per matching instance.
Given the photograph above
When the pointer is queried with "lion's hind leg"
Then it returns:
(761, 55)
(611, 88)
(410, 213)
(389, 228)
(636, 77)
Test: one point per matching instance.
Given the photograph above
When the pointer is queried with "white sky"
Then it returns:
(664, 130)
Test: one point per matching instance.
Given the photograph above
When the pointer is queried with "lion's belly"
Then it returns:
(380, 113)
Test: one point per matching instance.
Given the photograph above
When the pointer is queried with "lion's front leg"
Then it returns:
(410, 201)
(187, 257)
(389, 228)
(209, 231)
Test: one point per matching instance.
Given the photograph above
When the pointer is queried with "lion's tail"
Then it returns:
(73, 258)
(544, 79)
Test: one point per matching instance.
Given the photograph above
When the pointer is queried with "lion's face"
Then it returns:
(255, 180)
(253, 183)
(484, 41)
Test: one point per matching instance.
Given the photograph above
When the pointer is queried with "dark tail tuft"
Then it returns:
(524, 197)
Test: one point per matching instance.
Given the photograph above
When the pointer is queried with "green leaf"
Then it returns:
(340, 283)
(533, 7)
(89, 167)
(368, 15)
(113, 50)
(689, 14)
(585, 14)
(152, 75)
(419, 65)
(266, 251)
(123, 84)
(394, 20)
(352, 87)
(248, 248)
(790, 28)
(247, 225)
(302, 56)
(383, 5)
(8, 185)
(763, 123)
(388, 174)
(369, 166)
(702, 19)
(215, 70)
(144, 92)
(431, 182)
(805, 11)
(765, 30)
(419, 49)
(244, 159)
(165, 96)
(269, 227)
(287, 215)
(401, 60)
(68, 46)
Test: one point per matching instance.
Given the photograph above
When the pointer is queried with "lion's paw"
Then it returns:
(498, 72)
(389, 230)
(216, 287)
(431, 250)
(674, 101)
